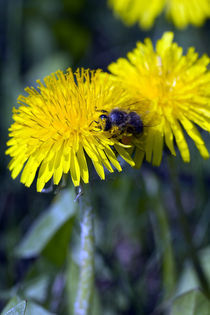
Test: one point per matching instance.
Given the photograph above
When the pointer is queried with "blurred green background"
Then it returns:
(142, 266)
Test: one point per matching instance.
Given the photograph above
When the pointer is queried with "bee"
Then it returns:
(127, 123)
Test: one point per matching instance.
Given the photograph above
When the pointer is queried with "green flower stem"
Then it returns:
(165, 243)
(86, 278)
(162, 234)
(186, 230)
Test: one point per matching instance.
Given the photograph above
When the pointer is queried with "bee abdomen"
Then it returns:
(134, 123)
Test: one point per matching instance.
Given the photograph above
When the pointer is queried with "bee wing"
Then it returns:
(146, 112)
(151, 119)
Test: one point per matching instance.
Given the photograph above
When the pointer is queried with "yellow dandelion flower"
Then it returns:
(172, 90)
(181, 12)
(55, 127)
(184, 12)
(132, 11)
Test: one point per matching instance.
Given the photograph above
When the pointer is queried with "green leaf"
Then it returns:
(189, 279)
(36, 288)
(72, 279)
(191, 303)
(15, 307)
(60, 241)
(35, 309)
(47, 225)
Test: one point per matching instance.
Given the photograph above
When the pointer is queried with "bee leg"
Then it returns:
(116, 135)
(113, 136)
(93, 121)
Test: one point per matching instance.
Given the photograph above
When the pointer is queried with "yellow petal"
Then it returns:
(83, 164)
(99, 169)
(169, 137)
(112, 158)
(181, 142)
(124, 154)
(138, 157)
(195, 135)
(158, 147)
(75, 169)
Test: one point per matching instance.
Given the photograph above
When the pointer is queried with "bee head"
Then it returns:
(105, 122)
